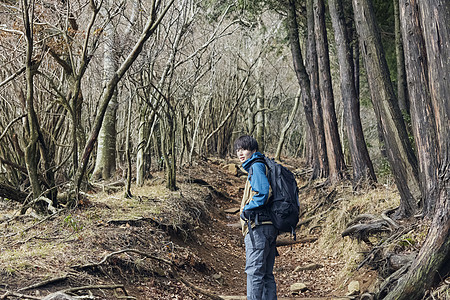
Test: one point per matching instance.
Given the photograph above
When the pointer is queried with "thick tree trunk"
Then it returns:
(399, 152)
(422, 115)
(432, 260)
(320, 160)
(362, 165)
(302, 76)
(334, 148)
(105, 163)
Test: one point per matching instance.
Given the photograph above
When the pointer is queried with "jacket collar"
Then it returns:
(246, 164)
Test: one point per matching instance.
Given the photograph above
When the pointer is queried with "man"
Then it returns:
(260, 237)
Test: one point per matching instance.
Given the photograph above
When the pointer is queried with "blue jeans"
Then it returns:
(260, 259)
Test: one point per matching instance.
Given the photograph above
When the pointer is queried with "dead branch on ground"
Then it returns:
(171, 264)
(98, 287)
(18, 295)
(44, 283)
(285, 242)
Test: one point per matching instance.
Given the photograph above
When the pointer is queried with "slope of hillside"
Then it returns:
(184, 244)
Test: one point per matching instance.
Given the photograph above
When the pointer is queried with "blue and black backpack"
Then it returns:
(283, 206)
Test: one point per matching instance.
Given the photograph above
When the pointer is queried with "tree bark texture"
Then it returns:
(402, 89)
(169, 153)
(32, 124)
(105, 163)
(320, 160)
(260, 116)
(140, 156)
(335, 156)
(362, 165)
(300, 72)
(399, 152)
(128, 150)
(432, 260)
(422, 115)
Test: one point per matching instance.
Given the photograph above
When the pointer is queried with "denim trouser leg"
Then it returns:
(260, 259)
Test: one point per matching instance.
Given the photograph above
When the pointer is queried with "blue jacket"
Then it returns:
(258, 181)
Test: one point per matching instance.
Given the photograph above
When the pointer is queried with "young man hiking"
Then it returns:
(260, 237)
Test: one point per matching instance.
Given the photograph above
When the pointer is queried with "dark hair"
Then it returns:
(245, 142)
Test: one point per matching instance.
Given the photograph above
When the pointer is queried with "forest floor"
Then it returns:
(184, 244)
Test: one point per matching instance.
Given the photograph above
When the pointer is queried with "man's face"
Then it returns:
(243, 155)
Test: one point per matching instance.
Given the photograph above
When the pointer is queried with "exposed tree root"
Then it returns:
(384, 288)
(14, 194)
(110, 186)
(173, 272)
(18, 295)
(100, 287)
(388, 263)
(365, 225)
(209, 186)
(44, 283)
(138, 221)
(298, 241)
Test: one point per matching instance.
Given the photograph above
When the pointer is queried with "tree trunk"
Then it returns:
(128, 150)
(168, 146)
(399, 152)
(260, 116)
(287, 126)
(422, 115)
(152, 23)
(302, 76)
(140, 155)
(32, 147)
(319, 148)
(362, 165)
(105, 163)
(197, 127)
(335, 156)
(402, 89)
(356, 58)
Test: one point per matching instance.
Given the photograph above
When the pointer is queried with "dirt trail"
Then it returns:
(222, 247)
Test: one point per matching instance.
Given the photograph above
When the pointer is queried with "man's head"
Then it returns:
(245, 146)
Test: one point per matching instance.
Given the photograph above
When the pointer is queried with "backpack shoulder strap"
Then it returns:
(259, 159)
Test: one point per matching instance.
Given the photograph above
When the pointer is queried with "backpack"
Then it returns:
(283, 206)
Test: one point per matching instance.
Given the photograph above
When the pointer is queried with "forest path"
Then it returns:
(299, 262)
